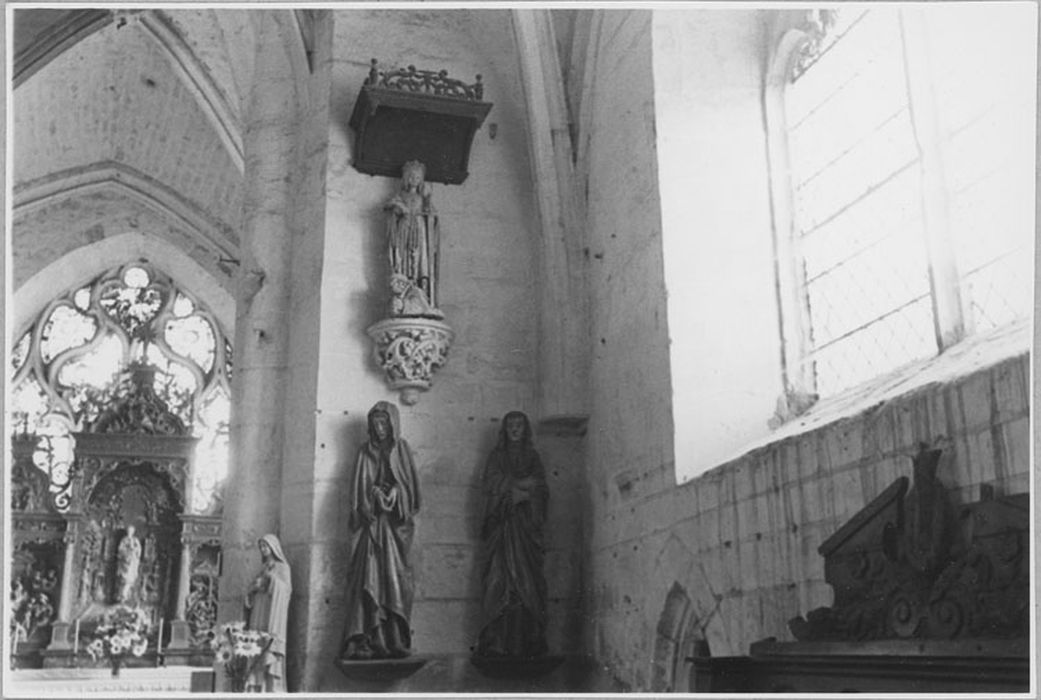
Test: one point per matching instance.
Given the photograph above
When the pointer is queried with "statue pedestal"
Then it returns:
(60, 634)
(409, 350)
(180, 652)
(516, 667)
(180, 636)
(381, 670)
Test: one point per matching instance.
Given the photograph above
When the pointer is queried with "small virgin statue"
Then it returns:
(413, 233)
(128, 563)
(516, 496)
(267, 608)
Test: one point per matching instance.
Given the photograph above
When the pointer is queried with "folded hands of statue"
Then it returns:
(386, 499)
(521, 490)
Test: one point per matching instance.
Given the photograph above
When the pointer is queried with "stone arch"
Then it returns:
(677, 638)
(85, 263)
(125, 187)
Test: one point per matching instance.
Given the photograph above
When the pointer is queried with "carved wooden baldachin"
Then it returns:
(411, 114)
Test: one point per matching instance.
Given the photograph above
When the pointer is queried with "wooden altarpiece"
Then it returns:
(133, 466)
(38, 547)
(929, 597)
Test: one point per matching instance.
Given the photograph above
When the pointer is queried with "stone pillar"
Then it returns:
(72, 527)
(251, 493)
(61, 628)
(564, 332)
(180, 633)
(273, 392)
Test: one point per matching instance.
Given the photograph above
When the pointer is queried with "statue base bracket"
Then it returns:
(516, 666)
(409, 349)
(380, 670)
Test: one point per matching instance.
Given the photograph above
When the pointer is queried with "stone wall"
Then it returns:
(738, 544)
(489, 229)
(741, 540)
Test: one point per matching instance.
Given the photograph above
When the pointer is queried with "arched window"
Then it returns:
(78, 356)
(909, 180)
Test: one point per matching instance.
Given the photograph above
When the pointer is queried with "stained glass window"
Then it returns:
(90, 338)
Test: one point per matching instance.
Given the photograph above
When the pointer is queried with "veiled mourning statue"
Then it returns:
(413, 234)
(384, 500)
(267, 608)
(516, 496)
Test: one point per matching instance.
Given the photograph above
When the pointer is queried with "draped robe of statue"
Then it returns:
(267, 608)
(384, 501)
(516, 497)
(413, 232)
(128, 564)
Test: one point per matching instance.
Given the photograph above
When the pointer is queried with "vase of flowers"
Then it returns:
(123, 631)
(240, 651)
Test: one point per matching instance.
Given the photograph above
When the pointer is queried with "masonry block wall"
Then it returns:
(489, 227)
(741, 539)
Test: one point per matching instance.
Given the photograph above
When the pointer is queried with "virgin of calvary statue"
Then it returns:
(384, 501)
(413, 233)
(515, 593)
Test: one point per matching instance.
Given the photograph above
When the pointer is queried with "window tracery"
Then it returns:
(79, 357)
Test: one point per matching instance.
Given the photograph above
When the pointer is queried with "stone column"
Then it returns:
(273, 407)
(564, 332)
(180, 633)
(60, 629)
(251, 493)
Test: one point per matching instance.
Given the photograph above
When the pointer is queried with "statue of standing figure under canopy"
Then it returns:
(414, 235)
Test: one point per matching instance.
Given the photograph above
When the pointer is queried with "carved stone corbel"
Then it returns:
(409, 351)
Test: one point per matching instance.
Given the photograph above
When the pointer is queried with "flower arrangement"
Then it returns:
(122, 631)
(239, 650)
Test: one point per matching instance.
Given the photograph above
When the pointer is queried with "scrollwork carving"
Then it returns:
(411, 79)
(907, 567)
(201, 603)
(409, 351)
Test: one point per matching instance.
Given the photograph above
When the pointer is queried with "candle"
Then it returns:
(159, 638)
(76, 640)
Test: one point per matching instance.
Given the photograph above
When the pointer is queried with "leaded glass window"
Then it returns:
(910, 138)
(77, 356)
